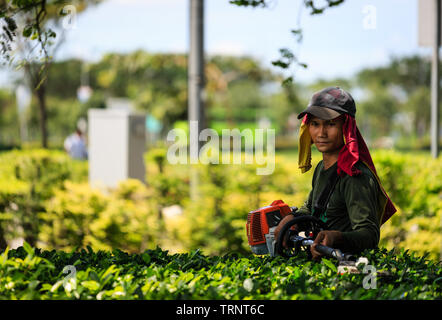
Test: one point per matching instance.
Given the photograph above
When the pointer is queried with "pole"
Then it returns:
(196, 87)
(435, 84)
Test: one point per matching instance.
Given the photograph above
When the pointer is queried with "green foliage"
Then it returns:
(391, 101)
(28, 179)
(288, 58)
(35, 29)
(78, 216)
(157, 83)
(45, 198)
(169, 183)
(28, 273)
(245, 3)
(414, 183)
(396, 92)
(65, 78)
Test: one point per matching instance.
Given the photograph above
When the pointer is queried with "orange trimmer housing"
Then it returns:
(261, 220)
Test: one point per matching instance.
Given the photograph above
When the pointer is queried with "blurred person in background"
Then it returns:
(75, 145)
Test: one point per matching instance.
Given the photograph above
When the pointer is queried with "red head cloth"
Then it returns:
(354, 150)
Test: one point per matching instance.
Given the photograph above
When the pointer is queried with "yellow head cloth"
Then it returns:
(305, 147)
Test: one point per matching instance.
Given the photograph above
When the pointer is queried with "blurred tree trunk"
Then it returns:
(41, 98)
(3, 243)
(36, 75)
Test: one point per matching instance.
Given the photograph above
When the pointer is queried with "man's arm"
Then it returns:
(361, 197)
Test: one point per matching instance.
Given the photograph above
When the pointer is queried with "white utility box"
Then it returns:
(117, 142)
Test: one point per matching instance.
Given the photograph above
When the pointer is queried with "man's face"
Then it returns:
(327, 134)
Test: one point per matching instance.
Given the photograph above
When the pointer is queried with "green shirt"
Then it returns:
(353, 206)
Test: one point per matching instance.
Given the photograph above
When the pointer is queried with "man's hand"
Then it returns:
(329, 238)
(283, 222)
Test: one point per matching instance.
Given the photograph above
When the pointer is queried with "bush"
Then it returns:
(27, 273)
(78, 216)
(414, 183)
(28, 179)
(40, 188)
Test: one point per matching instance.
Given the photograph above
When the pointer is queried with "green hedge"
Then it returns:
(27, 273)
(45, 199)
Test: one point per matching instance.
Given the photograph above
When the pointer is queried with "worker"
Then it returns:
(346, 192)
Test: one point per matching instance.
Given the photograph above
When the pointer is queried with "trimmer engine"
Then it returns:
(261, 224)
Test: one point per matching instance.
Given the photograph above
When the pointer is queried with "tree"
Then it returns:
(157, 83)
(288, 58)
(378, 111)
(419, 105)
(406, 82)
(9, 135)
(30, 26)
(234, 88)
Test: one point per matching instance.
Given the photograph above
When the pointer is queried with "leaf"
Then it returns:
(27, 31)
(93, 275)
(33, 284)
(12, 25)
(281, 64)
(288, 81)
(146, 257)
(91, 285)
(56, 285)
(304, 65)
(286, 53)
(4, 256)
(217, 276)
(329, 264)
(105, 278)
(245, 3)
(46, 287)
(29, 250)
(298, 34)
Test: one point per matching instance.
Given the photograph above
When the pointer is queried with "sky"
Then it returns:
(338, 43)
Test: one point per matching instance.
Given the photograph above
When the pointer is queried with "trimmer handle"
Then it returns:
(327, 251)
(300, 221)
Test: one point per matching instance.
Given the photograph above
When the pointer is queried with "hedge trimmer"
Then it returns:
(297, 235)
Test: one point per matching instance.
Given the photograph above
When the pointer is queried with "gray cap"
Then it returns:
(330, 103)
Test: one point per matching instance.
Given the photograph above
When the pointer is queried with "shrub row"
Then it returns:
(27, 273)
(45, 199)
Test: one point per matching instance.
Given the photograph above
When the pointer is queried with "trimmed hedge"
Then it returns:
(46, 200)
(28, 273)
